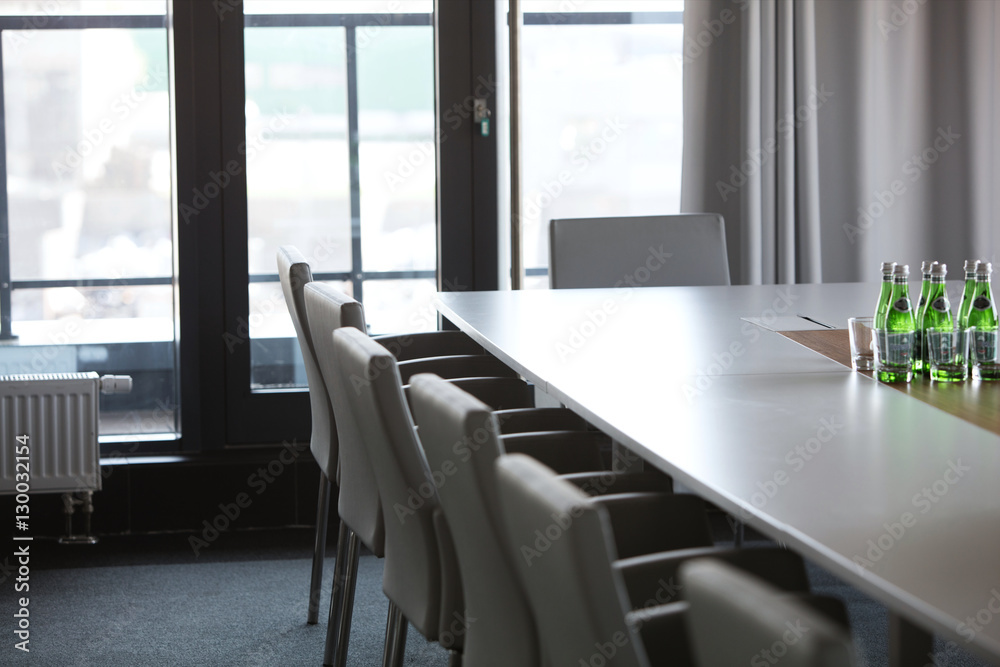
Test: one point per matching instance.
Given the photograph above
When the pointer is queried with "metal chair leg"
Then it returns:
(396, 626)
(345, 576)
(391, 621)
(319, 549)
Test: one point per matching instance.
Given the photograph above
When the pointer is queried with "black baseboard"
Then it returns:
(204, 494)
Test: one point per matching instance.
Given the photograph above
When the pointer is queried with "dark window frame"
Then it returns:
(219, 409)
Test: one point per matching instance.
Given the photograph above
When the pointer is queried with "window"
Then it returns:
(86, 251)
(601, 108)
(340, 163)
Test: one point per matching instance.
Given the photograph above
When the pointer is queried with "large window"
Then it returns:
(86, 252)
(148, 176)
(340, 163)
(601, 114)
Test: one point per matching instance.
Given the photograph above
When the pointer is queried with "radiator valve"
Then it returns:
(116, 384)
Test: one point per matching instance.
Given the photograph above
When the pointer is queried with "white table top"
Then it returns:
(893, 495)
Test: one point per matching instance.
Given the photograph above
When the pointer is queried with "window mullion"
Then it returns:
(5, 281)
(354, 152)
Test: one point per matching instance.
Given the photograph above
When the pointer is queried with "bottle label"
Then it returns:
(981, 303)
(941, 305)
(895, 349)
(984, 345)
(901, 305)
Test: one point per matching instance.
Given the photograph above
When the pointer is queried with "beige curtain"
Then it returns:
(837, 134)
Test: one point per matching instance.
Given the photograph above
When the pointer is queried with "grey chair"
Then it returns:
(461, 439)
(294, 273)
(421, 577)
(646, 251)
(466, 357)
(558, 539)
(734, 616)
(591, 576)
(359, 505)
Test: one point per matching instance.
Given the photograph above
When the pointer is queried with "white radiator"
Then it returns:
(58, 412)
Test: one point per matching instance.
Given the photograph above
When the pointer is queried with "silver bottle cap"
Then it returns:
(887, 268)
(984, 269)
(926, 267)
(939, 270)
(970, 265)
(901, 270)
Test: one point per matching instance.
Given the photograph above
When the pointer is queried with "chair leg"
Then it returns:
(454, 659)
(345, 576)
(395, 638)
(391, 621)
(319, 549)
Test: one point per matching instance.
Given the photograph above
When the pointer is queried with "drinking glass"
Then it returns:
(893, 355)
(860, 332)
(948, 354)
(985, 356)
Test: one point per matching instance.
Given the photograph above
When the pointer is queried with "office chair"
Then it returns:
(646, 251)
(584, 598)
(359, 505)
(461, 439)
(733, 617)
(294, 273)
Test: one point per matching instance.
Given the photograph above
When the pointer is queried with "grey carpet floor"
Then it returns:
(166, 608)
(149, 601)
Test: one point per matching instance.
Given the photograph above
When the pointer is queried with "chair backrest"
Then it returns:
(459, 436)
(412, 577)
(562, 544)
(647, 251)
(733, 617)
(358, 503)
(295, 274)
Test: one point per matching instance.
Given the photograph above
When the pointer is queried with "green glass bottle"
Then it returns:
(882, 307)
(937, 317)
(925, 286)
(983, 314)
(897, 338)
(968, 293)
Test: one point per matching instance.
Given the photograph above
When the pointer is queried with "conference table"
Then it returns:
(894, 495)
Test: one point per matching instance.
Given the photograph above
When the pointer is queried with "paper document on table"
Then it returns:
(785, 323)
